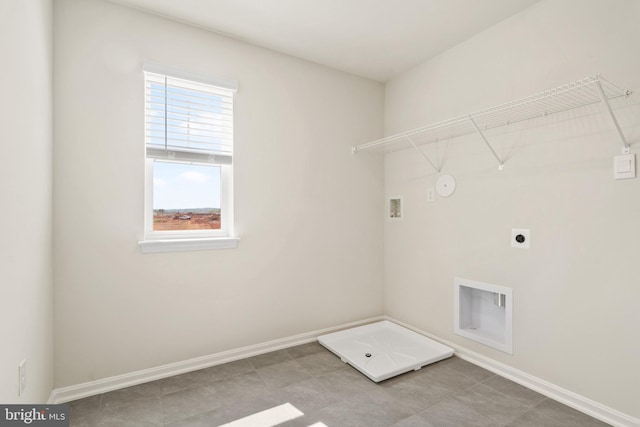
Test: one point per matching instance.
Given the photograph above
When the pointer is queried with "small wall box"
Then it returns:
(394, 207)
(483, 313)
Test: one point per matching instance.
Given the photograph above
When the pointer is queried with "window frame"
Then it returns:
(187, 240)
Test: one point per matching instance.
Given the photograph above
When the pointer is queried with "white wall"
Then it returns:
(307, 211)
(26, 293)
(576, 291)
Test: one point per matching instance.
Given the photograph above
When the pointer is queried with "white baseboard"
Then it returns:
(569, 398)
(79, 391)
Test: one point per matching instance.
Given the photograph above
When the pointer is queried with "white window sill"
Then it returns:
(183, 245)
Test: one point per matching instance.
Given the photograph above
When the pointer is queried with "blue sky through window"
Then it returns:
(185, 186)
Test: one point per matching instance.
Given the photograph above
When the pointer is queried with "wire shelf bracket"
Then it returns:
(433, 165)
(605, 101)
(580, 93)
(484, 138)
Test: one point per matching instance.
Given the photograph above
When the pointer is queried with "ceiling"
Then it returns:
(376, 39)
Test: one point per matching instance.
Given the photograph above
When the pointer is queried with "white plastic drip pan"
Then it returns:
(383, 350)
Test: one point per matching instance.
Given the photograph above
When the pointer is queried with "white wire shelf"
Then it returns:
(580, 93)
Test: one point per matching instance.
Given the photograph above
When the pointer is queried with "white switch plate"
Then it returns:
(525, 233)
(431, 194)
(624, 166)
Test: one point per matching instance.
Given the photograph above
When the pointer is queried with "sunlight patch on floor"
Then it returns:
(269, 417)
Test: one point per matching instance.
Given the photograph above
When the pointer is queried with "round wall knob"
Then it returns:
(445, 185)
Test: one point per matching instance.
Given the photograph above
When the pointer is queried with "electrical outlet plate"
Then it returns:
(522, 242)
(22, 377)
(431, 194)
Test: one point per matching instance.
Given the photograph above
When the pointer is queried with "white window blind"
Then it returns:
(188, 121)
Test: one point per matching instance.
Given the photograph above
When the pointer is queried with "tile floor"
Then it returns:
(448, 393)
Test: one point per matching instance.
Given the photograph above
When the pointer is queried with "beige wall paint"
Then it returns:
(307, 211)
(26, 292)
(576, 291)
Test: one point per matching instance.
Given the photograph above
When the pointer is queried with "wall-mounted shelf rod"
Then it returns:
(577, 94)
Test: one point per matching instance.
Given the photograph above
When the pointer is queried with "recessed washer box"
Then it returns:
(483, 312)
(384, 349)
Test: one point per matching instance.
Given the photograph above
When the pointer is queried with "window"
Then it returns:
(189, 158)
